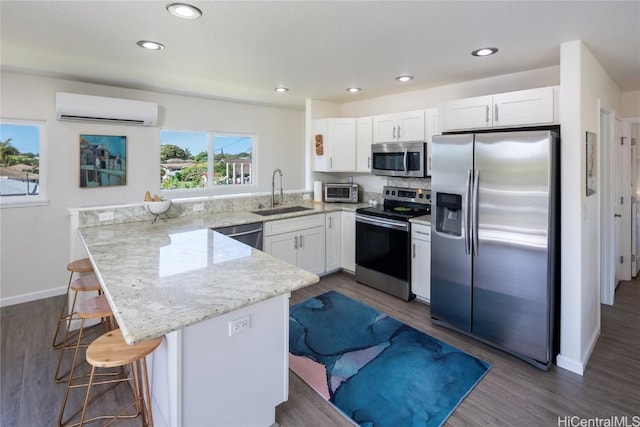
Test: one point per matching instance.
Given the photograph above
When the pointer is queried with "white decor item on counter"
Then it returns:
(317, 191)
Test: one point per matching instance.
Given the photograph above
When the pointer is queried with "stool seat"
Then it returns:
(86, 283)
(80, 266)
(111, 350)
(94, 308)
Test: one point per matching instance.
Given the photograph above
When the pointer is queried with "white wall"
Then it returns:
(630, 104)
(35, 245)
(584, 86)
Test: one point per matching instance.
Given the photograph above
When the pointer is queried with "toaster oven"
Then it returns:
(345, 193)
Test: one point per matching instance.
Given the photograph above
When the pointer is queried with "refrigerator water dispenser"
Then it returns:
(449, 213)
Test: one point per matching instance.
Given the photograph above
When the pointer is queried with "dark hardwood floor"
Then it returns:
(512, 394)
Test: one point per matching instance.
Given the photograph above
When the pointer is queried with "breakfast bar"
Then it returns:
(221, 306)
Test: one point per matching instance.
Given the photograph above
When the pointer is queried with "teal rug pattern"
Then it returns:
(376, 370)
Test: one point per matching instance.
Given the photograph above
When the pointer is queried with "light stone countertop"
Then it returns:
(166, 276)
(424, 220)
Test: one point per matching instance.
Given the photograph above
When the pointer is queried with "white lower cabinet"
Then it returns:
(333, 241)
(348, 235)
(299, 241)
(421, 261)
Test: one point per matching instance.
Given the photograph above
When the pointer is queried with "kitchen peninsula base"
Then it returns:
(204, 376)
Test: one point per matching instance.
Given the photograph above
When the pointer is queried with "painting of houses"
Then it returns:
(103, 160)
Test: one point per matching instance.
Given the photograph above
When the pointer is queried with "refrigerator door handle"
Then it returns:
(474, 220)
(467, 216)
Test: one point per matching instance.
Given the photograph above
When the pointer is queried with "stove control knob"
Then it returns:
(421, 196)
(428, 196)
(386, 192)
(393, 193)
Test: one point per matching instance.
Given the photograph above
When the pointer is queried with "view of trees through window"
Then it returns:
(19, 159)
(185, 159)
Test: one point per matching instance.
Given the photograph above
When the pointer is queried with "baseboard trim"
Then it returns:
(32, 296)
(576, 366)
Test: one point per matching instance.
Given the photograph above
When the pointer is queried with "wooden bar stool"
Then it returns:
(71, 339)
(111, 351)
(92, 308)
(78, 266)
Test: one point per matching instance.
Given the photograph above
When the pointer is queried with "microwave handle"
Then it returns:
(406, 158)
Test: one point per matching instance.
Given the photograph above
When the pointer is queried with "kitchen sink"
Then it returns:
(283, 210)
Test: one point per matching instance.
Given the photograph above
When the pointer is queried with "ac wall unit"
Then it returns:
(72, 106)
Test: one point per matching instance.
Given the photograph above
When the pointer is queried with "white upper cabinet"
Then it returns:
(364, 138)
(337, 150)
(521, 108)
(407, 126)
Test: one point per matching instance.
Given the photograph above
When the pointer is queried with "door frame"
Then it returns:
(606, 131)
(627, 131)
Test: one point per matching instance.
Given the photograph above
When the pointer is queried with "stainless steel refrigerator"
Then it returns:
(494, 240)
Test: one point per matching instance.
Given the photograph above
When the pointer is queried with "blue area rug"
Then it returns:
(376, 370)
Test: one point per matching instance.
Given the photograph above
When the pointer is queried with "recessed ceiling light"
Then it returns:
(404, 78)
(281, 89)
(353, 89)
(485, 51)
(183, 10)
(148, 44)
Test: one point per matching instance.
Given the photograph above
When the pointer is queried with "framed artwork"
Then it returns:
(592, 164)
(103, 160)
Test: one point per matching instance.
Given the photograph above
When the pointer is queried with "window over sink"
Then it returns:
(192, 161)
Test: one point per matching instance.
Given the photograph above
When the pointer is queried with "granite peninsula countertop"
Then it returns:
(166, 276)
(424, 220)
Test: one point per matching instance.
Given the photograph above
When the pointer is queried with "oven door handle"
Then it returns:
(379, 222)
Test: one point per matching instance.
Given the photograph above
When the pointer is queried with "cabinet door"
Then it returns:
(364, 137)
(525, 107)
(348, 237)
(421, 263)
(311, 250)
(332, 241)
(342, 145)
(411, 126)
(384, 128)
(468, 113)
(431, 127)
(283, 246)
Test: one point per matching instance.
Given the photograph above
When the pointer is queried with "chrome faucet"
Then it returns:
(273, 188)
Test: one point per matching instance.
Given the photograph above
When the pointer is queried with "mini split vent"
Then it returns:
(71, 106)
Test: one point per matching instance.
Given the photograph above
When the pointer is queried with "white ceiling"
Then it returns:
(243, 49)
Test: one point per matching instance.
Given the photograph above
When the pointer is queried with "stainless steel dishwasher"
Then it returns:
(249, 234)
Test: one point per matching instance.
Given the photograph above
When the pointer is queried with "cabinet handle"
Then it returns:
(330, 162)
(369, 162)
(398, 132)
(394, 132)
(429, 167)
(330, 226)
(426, 233)
(487, 114)
(300, 246)
(495, 113)
(414, 251)
(295, 242)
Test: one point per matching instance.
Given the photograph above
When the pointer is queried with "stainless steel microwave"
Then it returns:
(406, 159)
(346, 193)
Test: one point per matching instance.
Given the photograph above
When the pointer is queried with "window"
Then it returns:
(205, 160)
(21, 175)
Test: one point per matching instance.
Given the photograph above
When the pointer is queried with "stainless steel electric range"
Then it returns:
(383, 240)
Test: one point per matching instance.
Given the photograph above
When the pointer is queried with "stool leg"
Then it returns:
(146, 394)
(63, 316)
(86, 397)
(70, 379)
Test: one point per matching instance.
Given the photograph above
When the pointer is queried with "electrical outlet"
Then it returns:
(105, 216)
(198, 208)
(239, 325)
